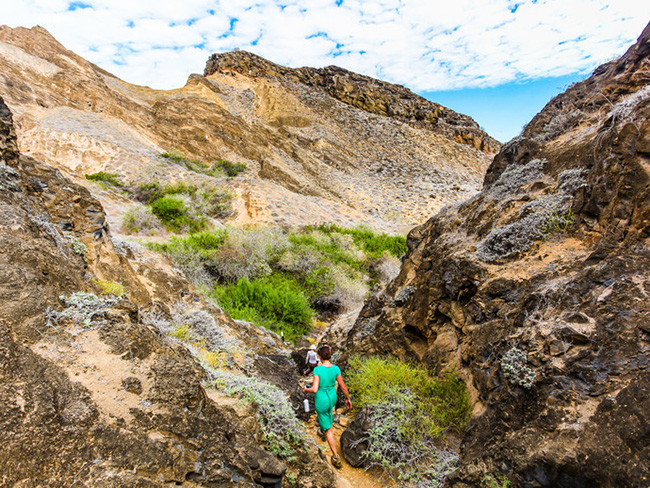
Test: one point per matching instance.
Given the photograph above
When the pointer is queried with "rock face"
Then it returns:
(537, 292)
(382, 156)
(369, 94)
(104, 398)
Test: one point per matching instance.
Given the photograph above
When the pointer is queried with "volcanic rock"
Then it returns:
(536, 292)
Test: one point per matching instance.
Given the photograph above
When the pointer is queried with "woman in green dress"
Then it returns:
(326, 377)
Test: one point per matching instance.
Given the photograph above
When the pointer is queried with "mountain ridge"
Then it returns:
(364, 92)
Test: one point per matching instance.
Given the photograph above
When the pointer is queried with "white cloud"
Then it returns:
(426, 45)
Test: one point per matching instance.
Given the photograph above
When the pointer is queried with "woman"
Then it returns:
(326, 376)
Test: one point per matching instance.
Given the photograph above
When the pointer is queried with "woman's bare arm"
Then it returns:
(339, 380)
(314, 386)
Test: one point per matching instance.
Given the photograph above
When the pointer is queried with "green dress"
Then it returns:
(325, 398)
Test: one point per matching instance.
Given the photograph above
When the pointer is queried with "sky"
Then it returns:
(498, 61)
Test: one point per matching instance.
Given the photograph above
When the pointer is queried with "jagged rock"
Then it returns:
(536, 292)
(369, 94)
(353, 444)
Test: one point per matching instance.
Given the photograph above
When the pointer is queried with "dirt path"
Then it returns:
(347, 476)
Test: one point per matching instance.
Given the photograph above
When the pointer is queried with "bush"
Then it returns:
(82, 309)
(108, 287)
(219, 168)
(282, 430)
(176, 215)
(140, 220)
(102, 177)
(442, 403)
(276, 304)
(409, 411)
(513, 365)
(326, 267)
(231, 169)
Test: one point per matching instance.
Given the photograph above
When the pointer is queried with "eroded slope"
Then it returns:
(310, 157)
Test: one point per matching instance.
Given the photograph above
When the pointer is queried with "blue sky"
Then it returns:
(503, 110)
(499, 61)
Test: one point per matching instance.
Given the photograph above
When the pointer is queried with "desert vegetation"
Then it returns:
(179, 207)
(283, 279)
(219, 168)
(105, 179)
(409, 411)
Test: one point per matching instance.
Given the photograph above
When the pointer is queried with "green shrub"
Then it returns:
(108, 287)
(102, 177)
(140, 220)
(231, 169)
(219, 168)
(442, 403)
(176, 215)
(275, 303)
(372, 243)
(409, 411)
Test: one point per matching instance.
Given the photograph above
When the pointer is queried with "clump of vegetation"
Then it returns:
(282, 429)
(177, 215)
(555, 223)
(495, 481)
(108, 287)
(410, 411)
(219, 168)
(231, 169)
(77, 246)
(139, 219)
(82, 309)
(275, 303)
(179, 206)
(105, 178)
(292, 276)
(513, 365)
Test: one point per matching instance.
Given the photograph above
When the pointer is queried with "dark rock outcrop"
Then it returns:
(369, 94)
(537, 292)
(353, 444)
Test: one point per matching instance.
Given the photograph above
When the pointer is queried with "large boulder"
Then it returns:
(353, 440)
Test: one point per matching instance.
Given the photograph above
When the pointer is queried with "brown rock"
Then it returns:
(569, 306)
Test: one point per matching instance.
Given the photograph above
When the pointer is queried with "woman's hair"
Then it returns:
(325, 352)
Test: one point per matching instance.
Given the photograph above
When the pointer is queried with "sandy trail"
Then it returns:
(347, 476)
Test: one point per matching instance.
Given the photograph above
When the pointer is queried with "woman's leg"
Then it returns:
(329, 435)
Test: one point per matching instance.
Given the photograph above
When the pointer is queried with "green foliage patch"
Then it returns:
(231, 169)
(314, 270)
(273, 302)
(220, 167)
(409, 412)
(177, 215)
(102, 177)
(442, 403)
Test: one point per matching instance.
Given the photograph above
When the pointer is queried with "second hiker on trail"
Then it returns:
(326, 376)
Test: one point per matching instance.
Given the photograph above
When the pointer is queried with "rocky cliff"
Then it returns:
(369, 94)
(536, 291)
(93, 391)
(384, 157)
